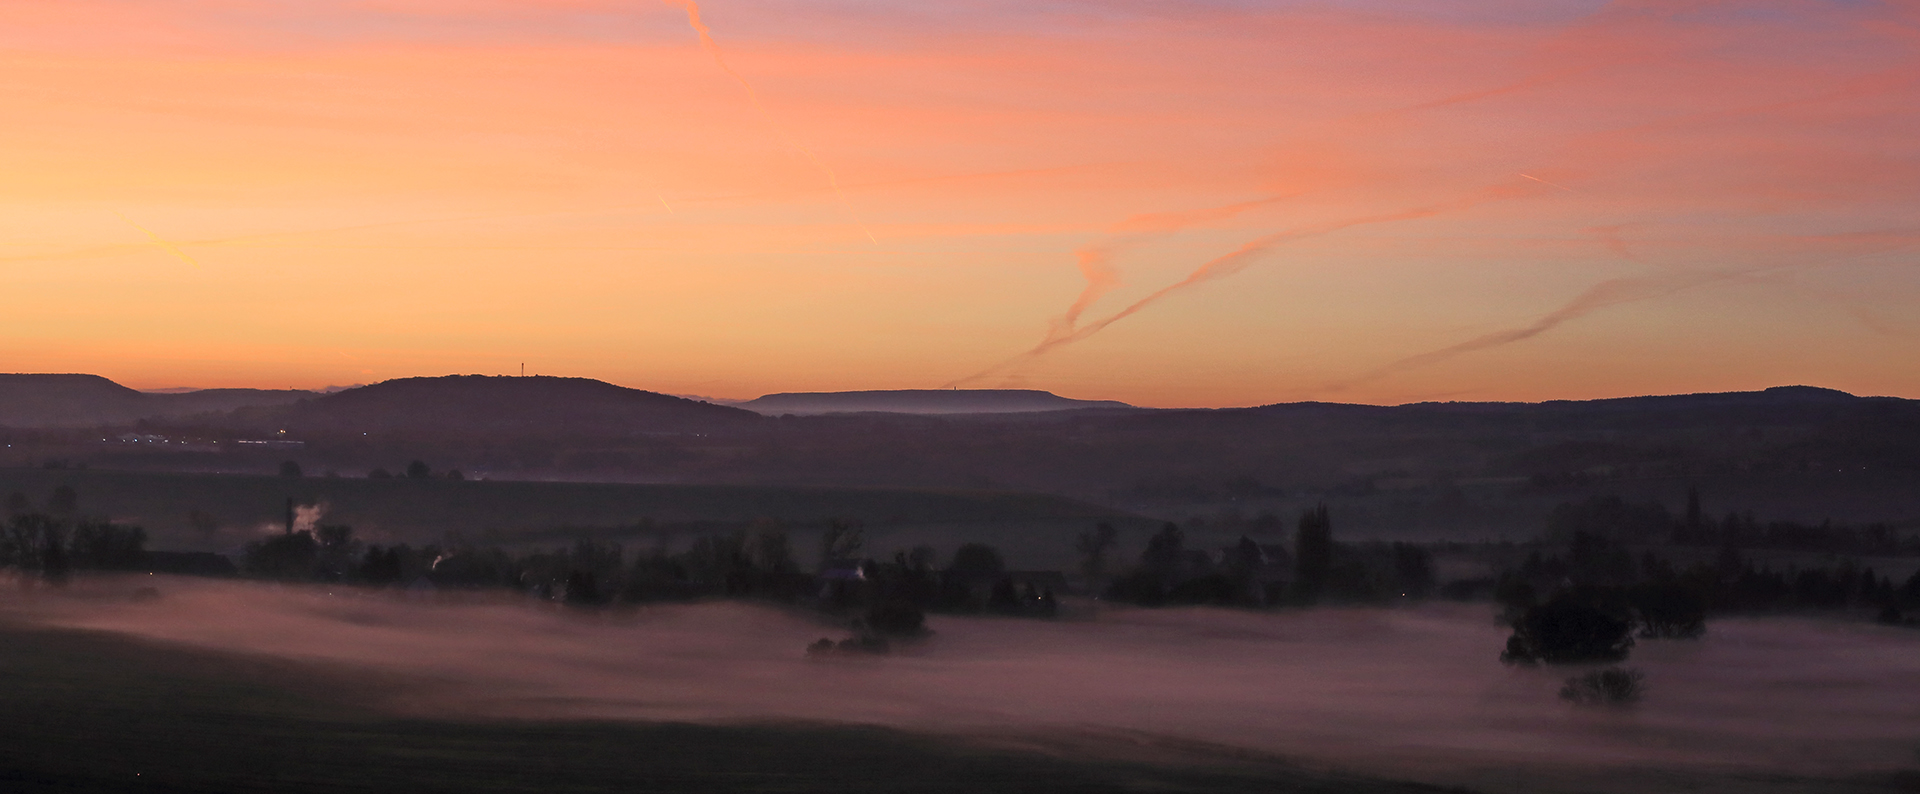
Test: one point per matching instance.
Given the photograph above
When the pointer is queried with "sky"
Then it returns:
(1198, 203)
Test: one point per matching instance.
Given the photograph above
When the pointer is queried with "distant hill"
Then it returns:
(921, 401)
(59, 400)
(506, 406)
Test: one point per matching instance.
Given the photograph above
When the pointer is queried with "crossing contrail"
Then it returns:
(1226, 265)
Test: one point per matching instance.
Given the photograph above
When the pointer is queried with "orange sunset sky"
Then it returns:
(1203, 203)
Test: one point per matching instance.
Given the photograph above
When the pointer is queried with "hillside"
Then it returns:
(1427, 469)
(63, 400)
(921, 401)
(539, 406)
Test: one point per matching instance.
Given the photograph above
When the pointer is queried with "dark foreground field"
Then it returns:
(83, 711)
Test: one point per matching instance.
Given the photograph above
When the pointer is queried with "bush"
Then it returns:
(1614, 686)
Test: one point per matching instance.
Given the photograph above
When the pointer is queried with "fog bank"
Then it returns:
(1414, 693)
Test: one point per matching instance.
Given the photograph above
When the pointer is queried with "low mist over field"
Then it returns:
(1759, 704)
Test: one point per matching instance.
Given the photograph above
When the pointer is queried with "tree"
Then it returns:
(55, 566)
(379, 474)
(1696, 521)
(109, 546)
(285, 556)
(17, 503)
(977, 562)
(1093, 547)
(841, 541)
(921, 558)
(770, 552)
(382, 566)
(27, 538)
(1139, 586)
(418, 470)
(1412, 569)
(64, 500)
(290, 469)
(897, 617)
(582, 590)
(1568, 629)
(1514, 592)
(1002, 599)
(334, 537)
(1243, 563)
(1164, 552)
(1313, 552)
(455, 475)
(1669, 610)
(1595, 559)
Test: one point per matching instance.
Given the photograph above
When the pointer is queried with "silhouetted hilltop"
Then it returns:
(511, 406)
(921, 401)
(73, 400)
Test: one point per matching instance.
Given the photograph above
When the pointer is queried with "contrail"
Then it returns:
(1612, 292)
(1545, 182)
(1220, 267)
(164, 245)
(1096, 260)
(706, 42)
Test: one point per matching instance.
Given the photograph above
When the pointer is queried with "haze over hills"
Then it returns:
(921, 401)
(78, 400)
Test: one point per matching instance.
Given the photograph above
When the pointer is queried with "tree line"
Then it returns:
(51, 544)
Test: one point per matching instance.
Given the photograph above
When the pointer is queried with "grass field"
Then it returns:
(84, 711)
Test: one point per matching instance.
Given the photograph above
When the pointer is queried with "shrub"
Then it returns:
(1614, 686)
